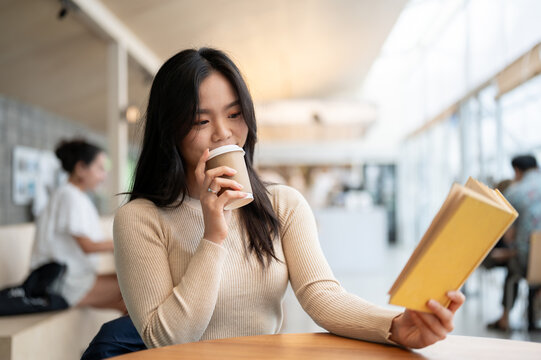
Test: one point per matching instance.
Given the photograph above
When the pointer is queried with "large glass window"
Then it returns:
(521, 117)
(427, 66)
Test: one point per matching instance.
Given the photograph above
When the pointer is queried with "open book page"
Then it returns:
(510, 207)
(494, 194)
(485, 190)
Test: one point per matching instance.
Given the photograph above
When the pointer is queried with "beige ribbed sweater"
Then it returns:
(180, 288)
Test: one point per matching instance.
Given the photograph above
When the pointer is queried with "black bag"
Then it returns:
(36, 293)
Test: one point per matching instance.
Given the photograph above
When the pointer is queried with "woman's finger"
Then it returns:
(457, 299)
(222, 183)
(427, 336)
(442, 315)
(432, 321)
(228, 196)
(219, 171)
(433, 325)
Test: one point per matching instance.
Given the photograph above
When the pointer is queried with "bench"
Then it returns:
(53, 335)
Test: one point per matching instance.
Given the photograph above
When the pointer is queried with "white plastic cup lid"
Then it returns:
(224, 149)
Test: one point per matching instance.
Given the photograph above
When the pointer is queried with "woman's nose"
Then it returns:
(221, 131)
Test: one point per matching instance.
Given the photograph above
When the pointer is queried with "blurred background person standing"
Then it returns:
(525, 196)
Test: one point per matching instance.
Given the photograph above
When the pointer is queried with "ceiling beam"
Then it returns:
(527, 66)
(108, 23)
(519, 71)
(331, 153)
(312, 132)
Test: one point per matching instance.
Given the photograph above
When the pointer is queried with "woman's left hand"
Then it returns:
(415, 329)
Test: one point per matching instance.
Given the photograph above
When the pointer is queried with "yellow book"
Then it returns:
(469, 223)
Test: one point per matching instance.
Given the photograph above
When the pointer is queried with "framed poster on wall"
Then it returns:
(25, 173)
(36, 173)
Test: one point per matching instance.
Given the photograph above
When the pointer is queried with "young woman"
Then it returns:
(68, 230)
(190, 270)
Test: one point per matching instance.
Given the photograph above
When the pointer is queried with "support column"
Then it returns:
(479, 133)
(499, 139)
(464, 116)
(117, 126)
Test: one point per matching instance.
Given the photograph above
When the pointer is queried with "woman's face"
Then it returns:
(93, 174)
(219, 120)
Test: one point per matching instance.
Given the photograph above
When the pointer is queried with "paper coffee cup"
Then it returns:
(233, 157)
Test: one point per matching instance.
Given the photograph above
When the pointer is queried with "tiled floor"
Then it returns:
(483, 291)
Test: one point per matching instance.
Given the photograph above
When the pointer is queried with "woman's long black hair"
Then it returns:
(160, 175)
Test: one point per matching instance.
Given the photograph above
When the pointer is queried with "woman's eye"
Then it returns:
(235, 115)
(201, 122)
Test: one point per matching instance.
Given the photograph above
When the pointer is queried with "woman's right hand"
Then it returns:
(216, 219)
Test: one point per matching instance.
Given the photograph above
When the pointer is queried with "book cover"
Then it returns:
(469, 223)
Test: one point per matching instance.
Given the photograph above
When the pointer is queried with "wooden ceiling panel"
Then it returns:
(286, 49)
(55, 64)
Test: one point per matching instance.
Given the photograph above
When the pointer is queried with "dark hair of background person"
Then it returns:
(524, 162)
(160, 174)
(70, 152)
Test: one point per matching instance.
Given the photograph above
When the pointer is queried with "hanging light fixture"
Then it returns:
(132, 114)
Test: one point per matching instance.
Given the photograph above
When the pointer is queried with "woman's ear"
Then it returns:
(80, 168)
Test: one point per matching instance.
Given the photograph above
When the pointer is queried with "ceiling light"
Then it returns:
(132, 114)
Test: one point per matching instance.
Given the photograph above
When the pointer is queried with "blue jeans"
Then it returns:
(115, 337)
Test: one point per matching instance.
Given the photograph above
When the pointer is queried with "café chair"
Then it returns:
(533, 277)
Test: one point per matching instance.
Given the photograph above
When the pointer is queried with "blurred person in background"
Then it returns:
(68, 230)
(525, 196)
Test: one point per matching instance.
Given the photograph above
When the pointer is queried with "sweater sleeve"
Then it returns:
(164, 313)
(313, 282)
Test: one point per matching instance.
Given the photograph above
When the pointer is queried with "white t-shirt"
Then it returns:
(69, 213)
